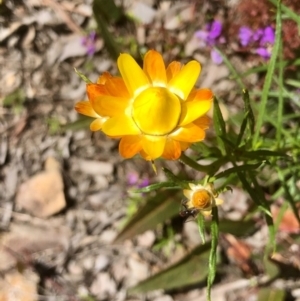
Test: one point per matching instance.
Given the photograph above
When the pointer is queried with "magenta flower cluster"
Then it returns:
(263, 39)
(210, 37)
(89, 42)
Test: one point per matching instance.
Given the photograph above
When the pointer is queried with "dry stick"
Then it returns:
(58, 8)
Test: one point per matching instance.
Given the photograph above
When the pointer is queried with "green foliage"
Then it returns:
(257, 149)
(15, 100)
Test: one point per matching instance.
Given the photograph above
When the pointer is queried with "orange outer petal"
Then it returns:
(103, 78)
(134, 77)
(172, 150)
(183, 82)
(189, 133)
(203, 122)
(184, 145)
(85, 108)
(120, 126)
(107, 105)
(94, 91)
(173, 69)
(97, 124)
(115, 86)
(154, 67)
(130, 146)
(153, 146)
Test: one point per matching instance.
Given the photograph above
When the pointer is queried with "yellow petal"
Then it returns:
(183, 83)
(173, 69)
(172, 150)
(145, 156)
(187, 193)
(120, 126)
(134, 77)
(194, 186)
(130, 146)
(203, 122)
(192, 110)
(153, 146)
(154, 67)
(206, 212)
(218, 202)
(96, 125)
(107, 105)
(189, 133)
(94, 91)
(85, 108)
(115, 86)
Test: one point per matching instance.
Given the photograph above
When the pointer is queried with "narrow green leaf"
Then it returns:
(269, 76)
(288, 195)
(190, 162)
(155, 211)
(290, 13)
(83, 122)
(269, 218)
(235, 169)
(189, 270)
(280, 98)
(219, 124)
(212, 263)
(83, 77)
(109, 11)
(248, 109)
(257, 154)
(242, 129)
(109, 40)
(157, 186)
(174, 179)
(253, 193)
(201, 227)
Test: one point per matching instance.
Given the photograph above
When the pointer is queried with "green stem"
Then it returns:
(193, 164)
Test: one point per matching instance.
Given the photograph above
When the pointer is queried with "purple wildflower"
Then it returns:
(214, 31)
(216, 57)
(265, 53)
(211, 36)
(145, 182)
(257, 34)
(264, 37)
(132, 179)
(89, 42)
(245, 35)
(268, 36)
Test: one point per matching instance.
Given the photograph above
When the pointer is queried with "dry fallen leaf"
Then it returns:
(288, 223)
(26, 243)
(239, 253)
(19, 287)
(43, 194)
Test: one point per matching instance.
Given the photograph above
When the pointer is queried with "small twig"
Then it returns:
(65, 17)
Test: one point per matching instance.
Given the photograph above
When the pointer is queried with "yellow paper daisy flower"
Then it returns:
(200, 199)
(155, 110)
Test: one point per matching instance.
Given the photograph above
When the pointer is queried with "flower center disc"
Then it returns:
(201, 199)
(156, 111)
